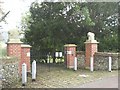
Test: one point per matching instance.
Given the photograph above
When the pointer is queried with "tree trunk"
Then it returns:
(54, 59)
(46, 61)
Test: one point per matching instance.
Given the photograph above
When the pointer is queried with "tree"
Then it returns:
(50, 13)
(3, 17)
(51, 25)
(2, 14)
(105, 17)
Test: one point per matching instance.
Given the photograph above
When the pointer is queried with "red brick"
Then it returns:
(15, 49)
(25, 58)
(90, 49)
(69, 58)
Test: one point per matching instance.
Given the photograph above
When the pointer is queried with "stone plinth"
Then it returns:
(90, 49)
(70, 54)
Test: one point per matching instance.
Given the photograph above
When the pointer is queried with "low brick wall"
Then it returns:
(81, 59)
(10, 74)
(101, 60)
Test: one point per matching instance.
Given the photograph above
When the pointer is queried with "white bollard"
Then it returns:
(56, 54)
(91, 64)
(75, 63)
(34, 70)
(24, 74)
(110, 63)
(60, 54)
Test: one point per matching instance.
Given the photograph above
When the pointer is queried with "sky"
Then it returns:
(17, 9)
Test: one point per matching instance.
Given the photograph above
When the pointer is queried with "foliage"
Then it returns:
(105, 17)
(3, 51)
(51, 25)
(56, 24)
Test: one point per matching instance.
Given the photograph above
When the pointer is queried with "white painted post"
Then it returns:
(91, 64)
(56, 54)
(110, 63)
(75, 63)
(34, 70)
(60, 54)
(24, 74)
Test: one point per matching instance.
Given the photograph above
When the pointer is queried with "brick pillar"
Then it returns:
(25, 56)
(70, 54)
(90, 48)
(14, 49)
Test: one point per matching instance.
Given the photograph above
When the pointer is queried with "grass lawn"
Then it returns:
(58, 76)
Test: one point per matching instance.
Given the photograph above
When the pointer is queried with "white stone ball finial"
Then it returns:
(91, 36)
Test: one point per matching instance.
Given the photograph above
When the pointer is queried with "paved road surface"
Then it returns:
(110, 82)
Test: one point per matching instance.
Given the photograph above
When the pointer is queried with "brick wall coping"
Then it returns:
(70, 45)
(106, 54)
(15, 41)
(91, 41)
(25, 46)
